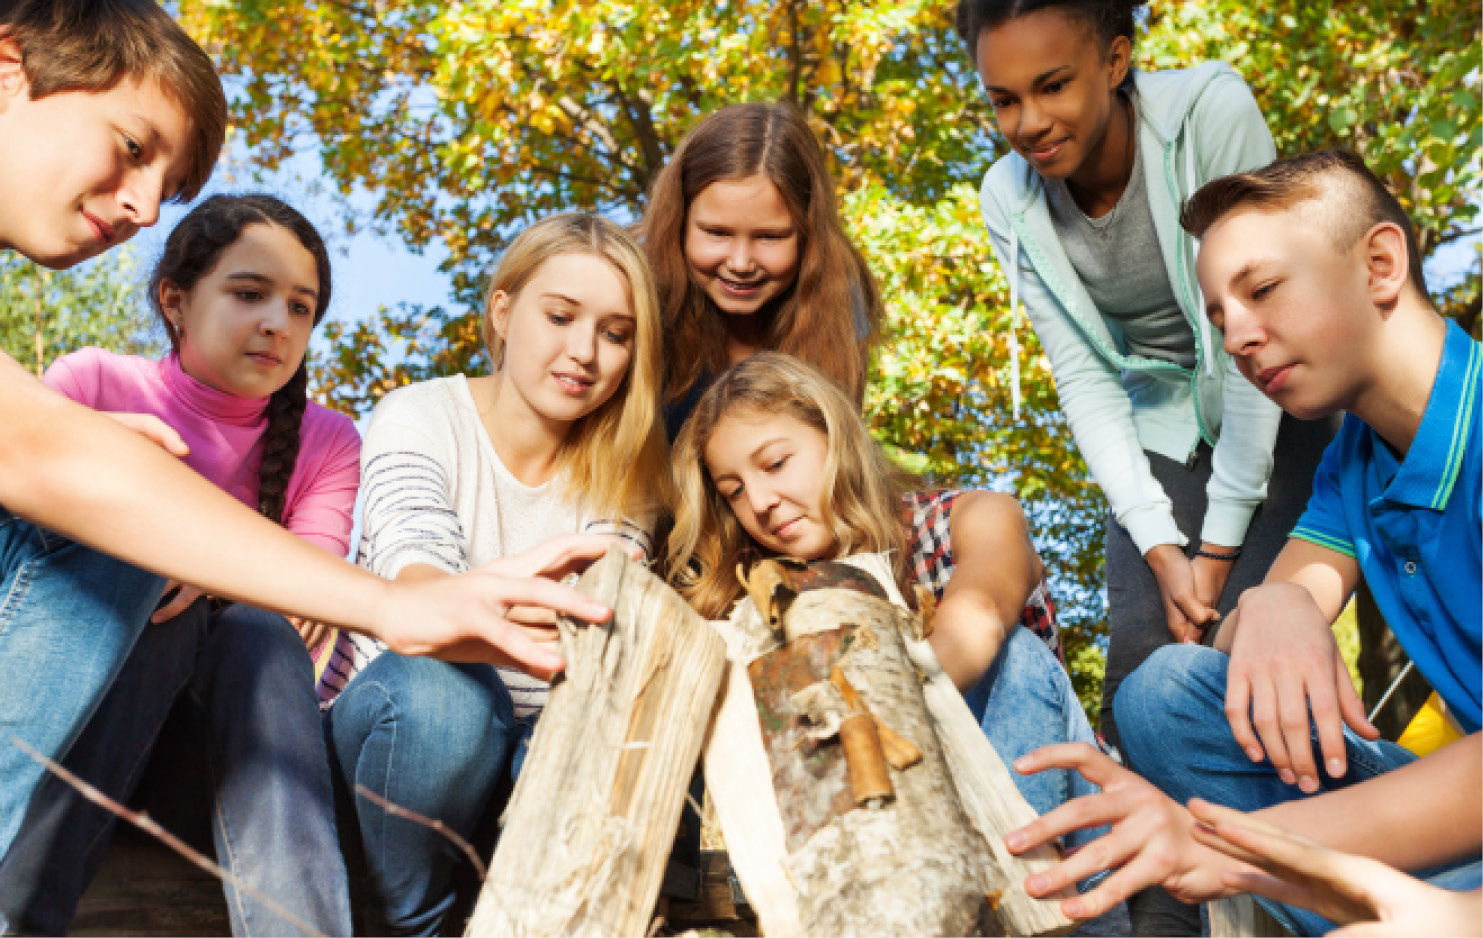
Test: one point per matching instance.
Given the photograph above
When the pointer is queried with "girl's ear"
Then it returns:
(499, 312)
(1119, 60)
(172, 303)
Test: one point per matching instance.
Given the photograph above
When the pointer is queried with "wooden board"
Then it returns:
(592, 818)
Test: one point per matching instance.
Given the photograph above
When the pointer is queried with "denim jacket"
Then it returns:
(1193, 126)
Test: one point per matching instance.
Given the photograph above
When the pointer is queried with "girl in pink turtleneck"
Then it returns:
(241, 285)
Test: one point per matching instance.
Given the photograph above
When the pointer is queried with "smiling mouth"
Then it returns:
(739, 288)
(265, 358)
(572, 384)
(1046, 152)
(786, 528)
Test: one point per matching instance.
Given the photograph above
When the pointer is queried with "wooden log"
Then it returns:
(908, 864)
(759, 836)
(1241, 917)
(592, 818)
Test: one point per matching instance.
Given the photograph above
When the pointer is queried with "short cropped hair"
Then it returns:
(1349, 200)
(92, 45)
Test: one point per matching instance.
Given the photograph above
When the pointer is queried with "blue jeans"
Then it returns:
(1024, 701)
(1171, 712)
(69, 616)
(429, 736)
(248, 688)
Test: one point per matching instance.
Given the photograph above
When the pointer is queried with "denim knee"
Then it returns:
(448, 721)
(1174, 700)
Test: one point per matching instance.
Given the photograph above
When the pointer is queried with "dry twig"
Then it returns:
(150, 826)
(396, 810)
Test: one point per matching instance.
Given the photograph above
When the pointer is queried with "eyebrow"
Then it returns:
(1042, 77)
(261, 280)
(766, 443)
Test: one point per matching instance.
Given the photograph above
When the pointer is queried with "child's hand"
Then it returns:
(184, 596)
(1187, 612)
(313, 633)
(1151, 841)
(1341, 887)
(1285, 664)
(467, 617)
(153, 429)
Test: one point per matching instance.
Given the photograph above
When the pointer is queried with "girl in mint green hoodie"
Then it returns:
(1084, 216)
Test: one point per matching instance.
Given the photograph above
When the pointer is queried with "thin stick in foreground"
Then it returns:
(396, 810)
(148, 824)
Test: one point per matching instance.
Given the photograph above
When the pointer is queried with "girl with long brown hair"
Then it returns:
(750, 254)
(241, 284)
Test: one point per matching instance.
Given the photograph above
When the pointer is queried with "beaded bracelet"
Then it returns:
(1228, 558)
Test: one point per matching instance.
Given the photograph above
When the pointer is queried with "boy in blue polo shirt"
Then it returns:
(1310, 269)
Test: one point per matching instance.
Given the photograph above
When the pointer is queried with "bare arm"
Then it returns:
(996, 572)
(1418, 816)
(83, 475)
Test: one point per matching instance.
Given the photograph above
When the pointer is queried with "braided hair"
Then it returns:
(191, 252)
(1108, 19)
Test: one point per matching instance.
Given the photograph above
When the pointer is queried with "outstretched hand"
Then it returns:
(1151, 841)
(1364, 894)
(468, 617)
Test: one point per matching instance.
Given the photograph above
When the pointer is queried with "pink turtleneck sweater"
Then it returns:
(224, 433)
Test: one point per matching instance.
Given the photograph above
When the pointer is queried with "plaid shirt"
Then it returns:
(932, 562)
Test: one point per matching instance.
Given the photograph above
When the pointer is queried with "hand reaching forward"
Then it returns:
(1151, 841)
(1366, 895)
(1285, 664)
(467, 617)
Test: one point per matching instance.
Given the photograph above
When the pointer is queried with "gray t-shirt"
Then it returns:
(1118, 259)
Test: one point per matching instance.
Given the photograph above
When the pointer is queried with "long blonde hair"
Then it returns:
(831, 314)
(614, 458)
(862, 489)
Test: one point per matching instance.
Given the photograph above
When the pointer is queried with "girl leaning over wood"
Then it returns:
(564, 436)
(775, 461)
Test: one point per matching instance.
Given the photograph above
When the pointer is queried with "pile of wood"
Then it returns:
(855, 792)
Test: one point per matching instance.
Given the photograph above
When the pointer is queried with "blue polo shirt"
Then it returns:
(1415, 526)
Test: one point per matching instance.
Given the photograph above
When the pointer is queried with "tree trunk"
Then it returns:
(829, 776)
(593, 815)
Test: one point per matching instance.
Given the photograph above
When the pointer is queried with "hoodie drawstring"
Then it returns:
(1192, 179)
(1014, 321)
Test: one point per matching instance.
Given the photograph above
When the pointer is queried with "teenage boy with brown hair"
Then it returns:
(1310, 269)
(107, 108)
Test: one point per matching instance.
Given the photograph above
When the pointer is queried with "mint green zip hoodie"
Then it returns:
(1193, 126)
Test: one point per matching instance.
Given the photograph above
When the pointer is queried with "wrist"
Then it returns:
(1219, 552)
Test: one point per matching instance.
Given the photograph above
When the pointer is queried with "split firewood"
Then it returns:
(591, 821)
